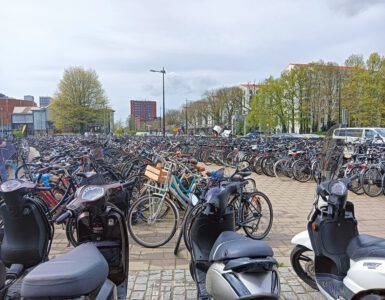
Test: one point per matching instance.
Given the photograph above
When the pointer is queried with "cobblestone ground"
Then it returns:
(158, 274)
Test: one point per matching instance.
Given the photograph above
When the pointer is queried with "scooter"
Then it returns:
(345, 263)
(96, 269)
(27, 235)
(224, 264)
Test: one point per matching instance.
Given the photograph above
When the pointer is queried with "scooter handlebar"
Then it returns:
(63, 217)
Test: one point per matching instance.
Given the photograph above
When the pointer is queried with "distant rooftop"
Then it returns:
(24, 109)
(318, 65)
(250, 85)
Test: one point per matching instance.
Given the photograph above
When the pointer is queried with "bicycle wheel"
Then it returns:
(356, 186)
(257, 215)
(257, 165)
(372, 182)
(157, 222)
(251, 186)
(26, 171)
(302, 171)
(235, 204)
(316, 170)
(281, 169)
(187, 224)
(268, 166)
(244, 165)
(71, 232)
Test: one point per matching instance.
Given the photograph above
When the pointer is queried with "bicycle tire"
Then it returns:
(301, 171)
(24, 171)
(356, 186)
(257, 167)
(372, 182)
(145, 227)
(253, 209)
(280, 168)
(187, 225)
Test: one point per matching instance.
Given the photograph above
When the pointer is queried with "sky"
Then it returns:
(202, 44)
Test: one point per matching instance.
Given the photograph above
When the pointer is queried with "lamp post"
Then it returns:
(186, 118)
(2, 123)
(163, 71)
(160, 118)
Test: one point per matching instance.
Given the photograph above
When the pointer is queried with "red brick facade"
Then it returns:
(144, 110)
(6, 108)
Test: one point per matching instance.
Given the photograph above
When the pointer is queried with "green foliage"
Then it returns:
(131, 132)
(308, 98)
(17, 134)
(79, 102)
(130, 122)
(119, 132)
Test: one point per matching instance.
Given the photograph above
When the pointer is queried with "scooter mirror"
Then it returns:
(193, 199)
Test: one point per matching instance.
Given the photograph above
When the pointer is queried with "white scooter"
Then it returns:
(346, 264)
(224, 264)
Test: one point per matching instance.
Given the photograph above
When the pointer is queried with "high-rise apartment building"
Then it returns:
(44, 101)
(143, 110)
(29, 98)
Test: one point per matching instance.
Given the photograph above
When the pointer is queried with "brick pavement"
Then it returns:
(158, 274)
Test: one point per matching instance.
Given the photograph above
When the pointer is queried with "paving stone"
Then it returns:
(285, 288)
(142, 279)
(289, 296)
(140, 287)
(164, 274)
(137, 295)
(298, 289)
(304, 297)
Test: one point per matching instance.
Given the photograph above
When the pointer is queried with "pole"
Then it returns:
(160, 119)
(186, 118)
(145, 115)
(164, 107)
(339, 100)
(2, 124)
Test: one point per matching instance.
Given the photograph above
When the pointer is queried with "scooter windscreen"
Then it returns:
(331, 157)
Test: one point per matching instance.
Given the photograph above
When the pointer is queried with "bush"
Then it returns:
(18, 134)
(119, 132)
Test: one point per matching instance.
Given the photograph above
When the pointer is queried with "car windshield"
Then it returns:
(380, 131)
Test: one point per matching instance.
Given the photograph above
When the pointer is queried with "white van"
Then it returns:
(359, 134)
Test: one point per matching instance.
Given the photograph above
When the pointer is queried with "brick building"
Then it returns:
(143, 110)
(7, 106)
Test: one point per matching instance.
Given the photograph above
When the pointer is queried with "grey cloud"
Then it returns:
(207, 44)
(181, 85)
(352, 8)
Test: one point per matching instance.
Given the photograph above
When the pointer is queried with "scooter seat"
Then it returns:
(365, 245)
(76, 273)
(231, 245)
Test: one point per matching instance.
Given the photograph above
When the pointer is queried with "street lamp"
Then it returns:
(163, 71)
(2, 123)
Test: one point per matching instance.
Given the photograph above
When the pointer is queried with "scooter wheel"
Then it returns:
(303, 264)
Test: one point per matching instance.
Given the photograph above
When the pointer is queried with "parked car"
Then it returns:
(253, 135)
(359, 134)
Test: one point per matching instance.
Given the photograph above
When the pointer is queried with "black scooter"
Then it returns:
(96, 269)
(27, 235)
(224, 264)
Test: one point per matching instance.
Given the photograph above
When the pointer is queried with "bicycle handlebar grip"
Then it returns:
(63, 217)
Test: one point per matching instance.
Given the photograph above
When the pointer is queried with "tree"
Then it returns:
(174, 117)
(79, 102)
(130, 122)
